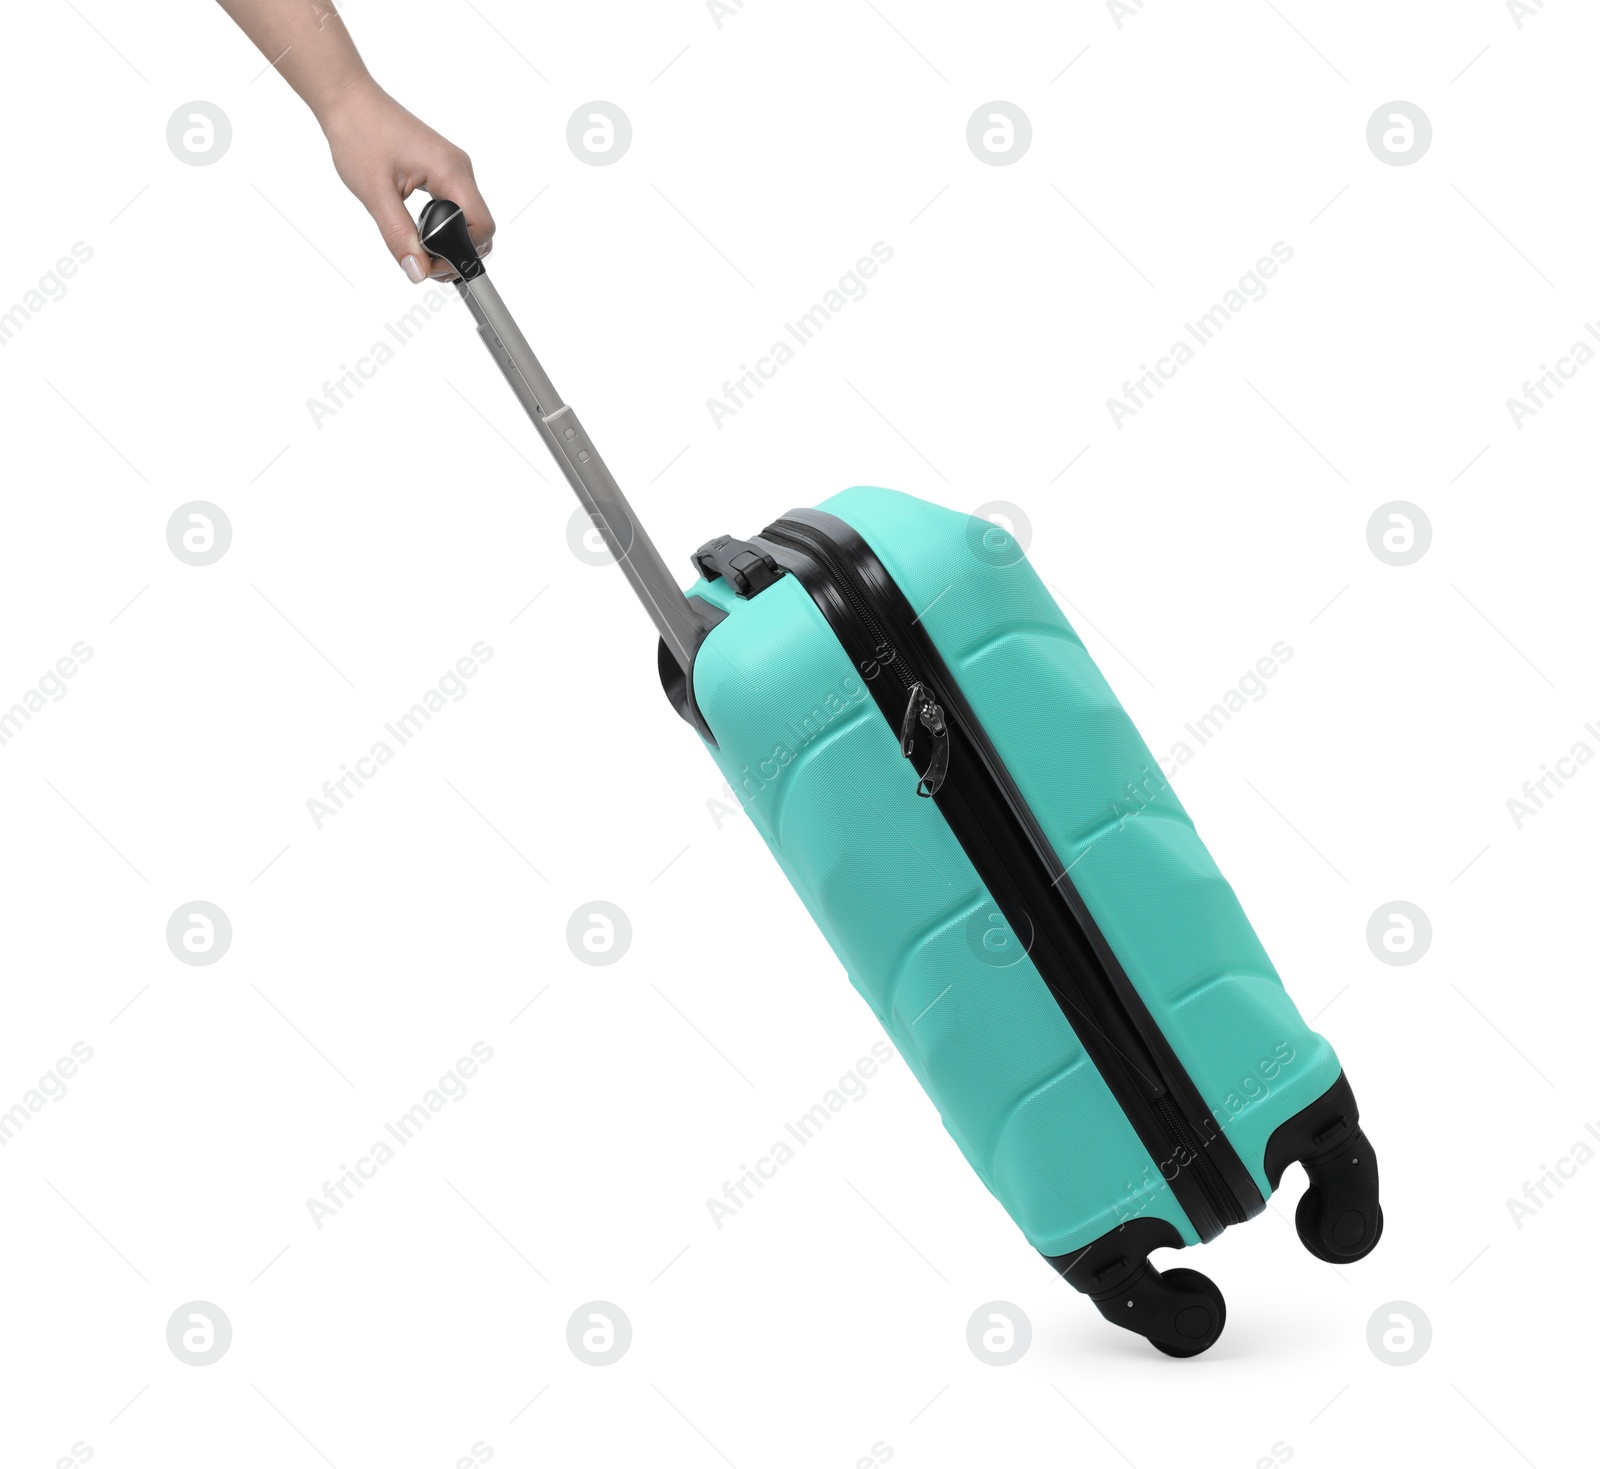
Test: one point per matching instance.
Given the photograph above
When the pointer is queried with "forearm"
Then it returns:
(382, 152)
(307, 43)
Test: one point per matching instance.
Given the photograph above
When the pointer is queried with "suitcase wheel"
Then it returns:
(1339, 1218)
(1352, 1233)
(1197, 1317)
(1180, 1312)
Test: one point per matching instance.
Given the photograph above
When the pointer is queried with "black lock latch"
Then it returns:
(745, 568)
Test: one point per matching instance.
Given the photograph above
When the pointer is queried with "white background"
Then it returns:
(370, 553)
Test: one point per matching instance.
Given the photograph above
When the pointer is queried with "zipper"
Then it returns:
(961, 771)
(922, 710)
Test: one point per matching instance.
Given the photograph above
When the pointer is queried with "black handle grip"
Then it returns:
(443, 232)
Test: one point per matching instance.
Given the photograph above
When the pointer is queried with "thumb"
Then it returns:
(387, 208)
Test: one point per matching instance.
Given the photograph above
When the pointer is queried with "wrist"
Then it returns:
(353, 93)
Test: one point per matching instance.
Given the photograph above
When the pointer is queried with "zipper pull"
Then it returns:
(921, 709)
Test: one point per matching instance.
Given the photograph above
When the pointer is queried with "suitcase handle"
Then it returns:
(443, 232)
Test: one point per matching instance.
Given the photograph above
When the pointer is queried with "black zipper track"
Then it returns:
(989, 817)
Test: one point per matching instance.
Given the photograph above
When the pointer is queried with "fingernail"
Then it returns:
(413, 268)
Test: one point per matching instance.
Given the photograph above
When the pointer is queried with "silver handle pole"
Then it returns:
(444, 233)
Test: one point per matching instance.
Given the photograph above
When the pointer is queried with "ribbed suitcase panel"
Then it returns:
(1109, 810)
(820, 773)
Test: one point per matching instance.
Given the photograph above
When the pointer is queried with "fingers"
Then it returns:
(385, 205)
(448, 175)
(454, 180)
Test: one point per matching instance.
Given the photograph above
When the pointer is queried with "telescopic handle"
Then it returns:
(443, 231)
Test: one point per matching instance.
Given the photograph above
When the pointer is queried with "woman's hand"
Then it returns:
(383, 153)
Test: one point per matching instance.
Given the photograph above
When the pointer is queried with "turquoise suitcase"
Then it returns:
(1003, 869)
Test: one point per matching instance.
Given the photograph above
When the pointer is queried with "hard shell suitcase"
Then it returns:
(997, 859)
